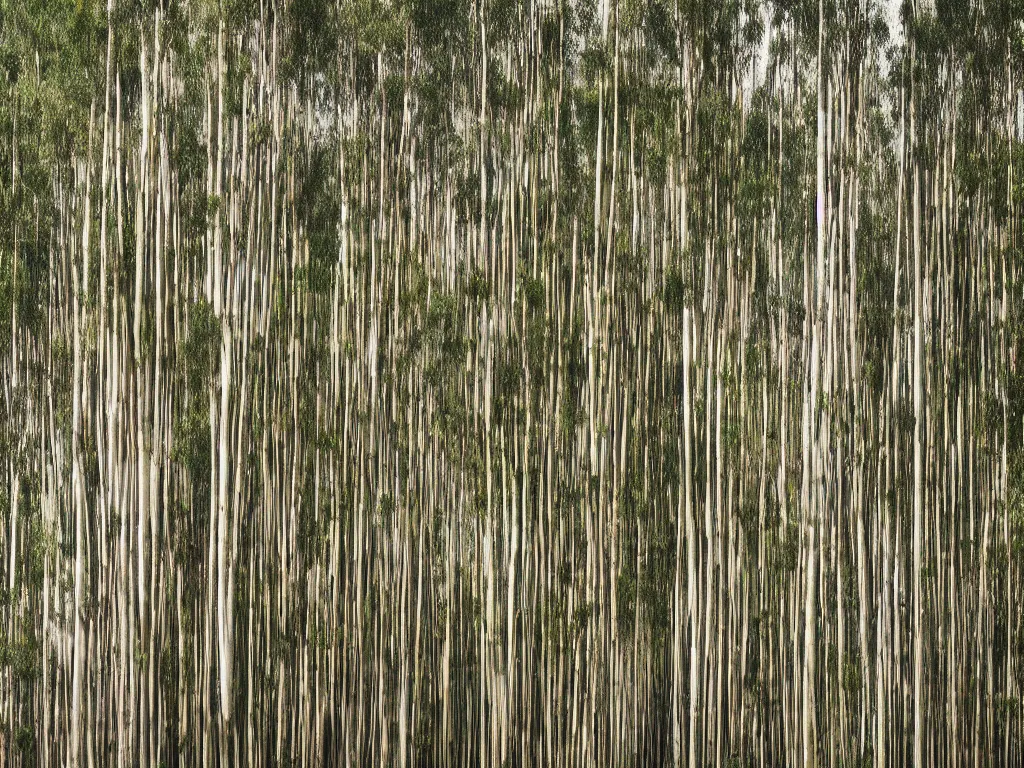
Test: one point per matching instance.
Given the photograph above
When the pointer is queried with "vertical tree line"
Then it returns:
(425, 382)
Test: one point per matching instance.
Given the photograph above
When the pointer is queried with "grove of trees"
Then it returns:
(511, 382)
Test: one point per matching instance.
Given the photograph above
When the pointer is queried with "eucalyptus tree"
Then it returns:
(421, 382)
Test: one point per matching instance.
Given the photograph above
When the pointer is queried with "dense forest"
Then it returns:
(502, 383)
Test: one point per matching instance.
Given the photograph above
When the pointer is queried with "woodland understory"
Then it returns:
(511, 383)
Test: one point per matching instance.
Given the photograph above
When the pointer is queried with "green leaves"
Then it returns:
(757, 182)
(201, 349)
(444, 335)
(660, 29)
(677, 293)
(440, 25)
(191, 445)
(315, 28)
(373, 30)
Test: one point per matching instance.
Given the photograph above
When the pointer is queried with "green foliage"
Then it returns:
(192, 447)
(385, 509)
(748, 515)
(575, 190)
(479, 288)
(467, 196)
(1015, 505)
(188, 528)
(875, 283)
(7, 300)
(314, 368)
(581, 619)
(25, 742)
(66, 36)
(22, 657)
(633, 510)
(368, 26)
(506, 388)
(61, 365)
(632, 268)
(756, 179)
(444, 337)
(201, 350)
(659, 28)
(24, 284)
(315, 28)
(533, 291)
(440, 25)
(784, 550)
(503, 94)
(716, 118)
(432, 94)
(595, 61)
(40, 542)
(625, 587)
(574, 358)
(315, 518)
(1014, 419)
(239, 74)
(535, 331)
(676, 294)
(656, 581)
(852, 677)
